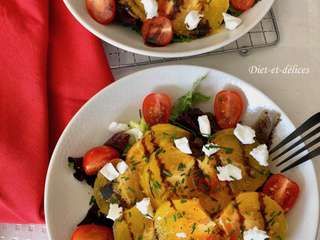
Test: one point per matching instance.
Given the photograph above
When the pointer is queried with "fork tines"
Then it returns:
(302, 136)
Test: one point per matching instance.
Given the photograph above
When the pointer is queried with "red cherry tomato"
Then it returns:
(228, 107)
(92, 232)
(157, 31)
(103, 11)
(283, 190)
(242, 5)
(97, 157)
(156, 108)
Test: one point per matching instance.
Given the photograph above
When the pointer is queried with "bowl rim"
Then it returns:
(137, 73)
(151, 53)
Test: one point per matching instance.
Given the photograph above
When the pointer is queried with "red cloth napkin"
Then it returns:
(49, 66)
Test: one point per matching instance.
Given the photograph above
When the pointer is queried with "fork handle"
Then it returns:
(309, 156)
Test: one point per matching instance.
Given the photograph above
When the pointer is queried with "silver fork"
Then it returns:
(286, 145)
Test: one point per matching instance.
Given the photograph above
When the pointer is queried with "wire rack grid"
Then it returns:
(264, 34)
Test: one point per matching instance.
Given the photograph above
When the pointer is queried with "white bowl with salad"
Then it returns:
(160, 155)
(169, 28)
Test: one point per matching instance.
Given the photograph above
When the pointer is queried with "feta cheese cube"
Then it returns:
(192, 19)
(115, 211)
(145, 208)
(229, 172)
(181, 235)
(255, 234)
(261, 154)
(204, 125)
(245, 134)
(150, 8)
(122, 167)
(231, 22)
(210, 149)
(115, 127)
(183, 145)
(109, 172)
(136, 133)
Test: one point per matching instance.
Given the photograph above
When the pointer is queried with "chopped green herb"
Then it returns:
(193, 228)
(181, 38)
(183, 200)
(181, 166)
(92, 200)
(156, 184)
(232, 177)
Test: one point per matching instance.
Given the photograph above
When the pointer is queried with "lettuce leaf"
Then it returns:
(191, 98)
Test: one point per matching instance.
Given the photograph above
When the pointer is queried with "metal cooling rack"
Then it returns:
(23, 232)
(264, 34)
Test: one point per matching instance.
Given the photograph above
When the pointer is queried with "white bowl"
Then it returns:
(129, 40)
(67, 200)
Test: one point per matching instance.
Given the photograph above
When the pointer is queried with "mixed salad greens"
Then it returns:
(161, 22)
(181, 173)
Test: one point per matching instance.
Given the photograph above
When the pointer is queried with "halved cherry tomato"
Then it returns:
(157, 31)
(92, 232)
(103, 11)
(228, 107)
(283, 190)
(156, 108)
(97, 157)
(242, 5)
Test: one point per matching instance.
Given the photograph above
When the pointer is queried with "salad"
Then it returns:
(181, 173)
(161, 22)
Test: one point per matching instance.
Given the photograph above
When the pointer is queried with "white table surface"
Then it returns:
(297, 94)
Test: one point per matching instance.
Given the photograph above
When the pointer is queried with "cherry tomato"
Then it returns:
(97, 157)
(283, 190)
(103, 11)
(157, 31)
(92, 232)
(242, 5)
(156, 108)
(228, 107)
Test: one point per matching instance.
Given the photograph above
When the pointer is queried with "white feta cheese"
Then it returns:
(181, 235)
(115, 127)
(145, 208)
(192, 19)
(245, 134)
(261, 154)
(109, 172)
(204, 125)
(115, 211)
(183, 145)
(210, 149)
(229, 173)
(150, 7)
(231, 22)
(255, 234)
(122, 167)
(136, 133)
